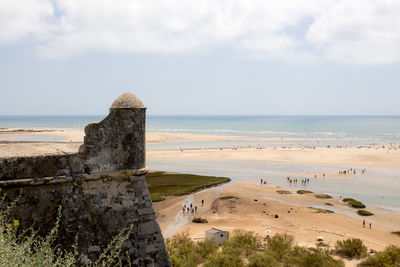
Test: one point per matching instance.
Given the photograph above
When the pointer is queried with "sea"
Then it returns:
(376, 187)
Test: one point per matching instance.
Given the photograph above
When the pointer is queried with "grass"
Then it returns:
(364, 213)
(396, 233)
(324, 196)
(318, 210)
(228, 197)
(162, 184)
(304, 192)
(354, 203)
(283, 192)
(329, 204)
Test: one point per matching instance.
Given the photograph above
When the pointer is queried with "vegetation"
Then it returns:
(351, 248)
(322, 196)
(228, 197)
(283, 192)
(27, 248)
(318, 210)
(389, 257)
(246, 249)
(328, 204)
(347, 199)
(364, 213)
(354, 203)
(396, 233)
(304, 192)
(163, 184)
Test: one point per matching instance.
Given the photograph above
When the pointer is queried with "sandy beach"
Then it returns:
(255, 208)
(256, 205)
(372, 156)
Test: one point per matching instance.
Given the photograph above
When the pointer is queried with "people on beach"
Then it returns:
(202, 202)
(370, 225)
(364, 223)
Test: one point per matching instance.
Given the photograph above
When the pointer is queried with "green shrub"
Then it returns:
(318, 210)
(182, 251)
(364, 213)
(206, 248)
(246, 241)
(318, 258)
(389, 257)
(351, 248)
(347, 199)
(283, 192)
(279, 245)
(396, 233)
(229, 257)
(325, 196)
(356, 204)
(262, 260)
(28, 248)
(228, 197)
(304, 192)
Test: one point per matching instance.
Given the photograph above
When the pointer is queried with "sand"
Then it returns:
(246, 213)
(255, 210)
(375, 157)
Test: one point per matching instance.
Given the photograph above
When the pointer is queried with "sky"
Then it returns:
(237, 57)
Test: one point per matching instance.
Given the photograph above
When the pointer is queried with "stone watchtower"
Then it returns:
(101, 189)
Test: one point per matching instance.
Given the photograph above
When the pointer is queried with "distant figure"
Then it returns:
(364, 223)
(261, 181)
(191, 205)
(202, 202)
(323, 175)
(370, 225)
(195, 209)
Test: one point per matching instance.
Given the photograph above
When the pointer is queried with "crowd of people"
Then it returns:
(190, 208)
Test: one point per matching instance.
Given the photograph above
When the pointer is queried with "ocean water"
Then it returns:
(321, 130)
(378, 187)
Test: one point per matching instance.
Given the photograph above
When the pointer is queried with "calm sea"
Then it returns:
(377, 187)
(359, 129)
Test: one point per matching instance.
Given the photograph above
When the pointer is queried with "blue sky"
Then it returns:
(211, 57)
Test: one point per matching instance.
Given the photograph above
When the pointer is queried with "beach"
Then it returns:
(254, 206)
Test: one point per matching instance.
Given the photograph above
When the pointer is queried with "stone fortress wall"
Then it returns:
(101, 189)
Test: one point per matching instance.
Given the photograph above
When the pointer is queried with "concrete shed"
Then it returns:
(216, 235)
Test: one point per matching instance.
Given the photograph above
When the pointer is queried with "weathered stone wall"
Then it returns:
(101, 189)
(115, 143)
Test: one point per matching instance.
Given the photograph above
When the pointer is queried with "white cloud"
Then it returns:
(353, 31)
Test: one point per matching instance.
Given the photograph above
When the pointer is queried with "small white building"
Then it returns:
(217, 236)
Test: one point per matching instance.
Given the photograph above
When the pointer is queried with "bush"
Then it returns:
(29, 249)
(389, 257)
(229, 257)
(280, 245)
(364, 213)
(228, 197)
(283, 192)
(347, 199)
(262, 260)
(351, 248)
(318, 258)
(182, 251)
(356, 204)
(322, 196)
(246, 241)
(304, 192)
(396, 233)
